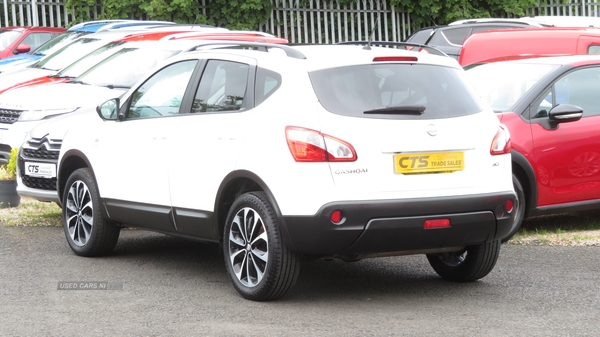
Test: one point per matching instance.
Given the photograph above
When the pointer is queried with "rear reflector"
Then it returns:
(438, 223)
(509, 205)
(337, 217)
(395, 58)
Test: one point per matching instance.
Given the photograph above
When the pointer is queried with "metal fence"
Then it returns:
(325, 21)
(317, 21)
(560, 7)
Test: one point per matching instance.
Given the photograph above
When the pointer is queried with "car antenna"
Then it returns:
(430, 18)
(368, 46)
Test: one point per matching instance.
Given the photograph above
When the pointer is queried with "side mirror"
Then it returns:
(109, 110)
(563, 113)
(22, 48)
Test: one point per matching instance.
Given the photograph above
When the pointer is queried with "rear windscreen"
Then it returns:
(396, 91)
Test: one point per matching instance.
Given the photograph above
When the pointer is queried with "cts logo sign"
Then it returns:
(33, 169)
(413, 162)
(407, 163)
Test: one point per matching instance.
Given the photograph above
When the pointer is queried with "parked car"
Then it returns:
(18, 40)
(106, 72)
(541, 21)
(551, 106)
(450, 38)
(37, 51)
(494, 46)
(319, 151)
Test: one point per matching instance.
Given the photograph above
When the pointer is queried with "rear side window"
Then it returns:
(222, 87)
(420, 36)
(355, 91)
(453, 36)
(267, 82)
(594, 49)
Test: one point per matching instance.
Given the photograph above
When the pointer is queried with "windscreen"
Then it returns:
(90, 60)
(58, 42)
(502, 84)
(70, 53)
(125, 67)
(396, 91)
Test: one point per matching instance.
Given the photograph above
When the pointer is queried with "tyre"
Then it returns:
(258, 262)
(87, 232)
(470, 264)
(519, 209)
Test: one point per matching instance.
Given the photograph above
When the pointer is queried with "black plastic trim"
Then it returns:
(385, 226)
(156, 217)
(195, 223)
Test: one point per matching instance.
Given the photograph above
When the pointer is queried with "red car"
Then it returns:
(551, 106)
(497, 45)
(17, 40)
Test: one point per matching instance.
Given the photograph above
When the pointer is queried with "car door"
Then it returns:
(134, 177)
(567, 156)
(206, 141)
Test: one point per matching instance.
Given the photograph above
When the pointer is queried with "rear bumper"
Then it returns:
(387, 226)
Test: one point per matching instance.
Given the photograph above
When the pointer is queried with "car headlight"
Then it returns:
(35, 115)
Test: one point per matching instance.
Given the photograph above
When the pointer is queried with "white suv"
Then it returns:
(327, 151)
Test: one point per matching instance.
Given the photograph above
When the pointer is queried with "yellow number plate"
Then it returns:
(407, 163)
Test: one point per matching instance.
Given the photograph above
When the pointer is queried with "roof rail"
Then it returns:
(406, 45)
(262, 46)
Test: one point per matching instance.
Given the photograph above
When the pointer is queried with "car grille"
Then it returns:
(9, 116)
(42, 150)
(38, 183)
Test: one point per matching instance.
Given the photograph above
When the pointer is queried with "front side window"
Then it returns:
(35, 40)
(161, 95)
(503, 84)
(222, 87)
(580, 87)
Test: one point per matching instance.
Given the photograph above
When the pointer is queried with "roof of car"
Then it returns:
(34, 28)
(518, 21)
(317, 57)
(541, 31)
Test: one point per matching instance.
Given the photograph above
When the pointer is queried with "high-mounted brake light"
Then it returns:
(501, 142)
(312, 146)
(395, 59)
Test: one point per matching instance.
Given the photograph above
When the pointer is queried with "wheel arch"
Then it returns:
(524, 171)
(237, 183)
(72, 160)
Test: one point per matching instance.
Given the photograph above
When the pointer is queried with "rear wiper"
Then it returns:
(112, 86)
(60, 76)
(398, 110)
(78, 82)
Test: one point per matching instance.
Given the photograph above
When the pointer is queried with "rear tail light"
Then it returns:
(501, 142)
(312, 146)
